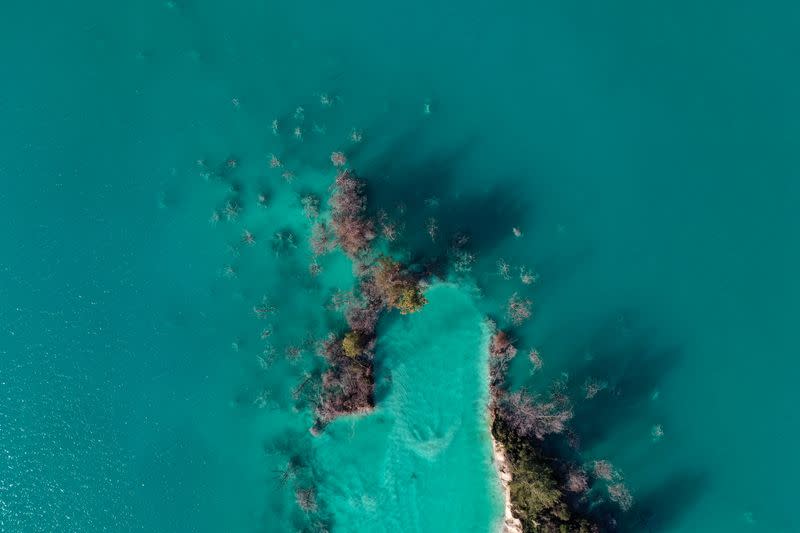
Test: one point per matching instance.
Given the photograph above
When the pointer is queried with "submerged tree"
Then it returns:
(306, 499)
(518, 309)
(577, 481)
(619, 494)
(604, 470)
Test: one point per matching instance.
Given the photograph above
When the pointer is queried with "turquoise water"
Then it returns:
(422, 461)
(647, 152)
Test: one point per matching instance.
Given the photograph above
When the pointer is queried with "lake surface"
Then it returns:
(648, 153)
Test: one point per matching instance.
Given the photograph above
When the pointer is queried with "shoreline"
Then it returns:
(510, 523)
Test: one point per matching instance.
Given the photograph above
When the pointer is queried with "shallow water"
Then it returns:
(648, 153)
(422, 460)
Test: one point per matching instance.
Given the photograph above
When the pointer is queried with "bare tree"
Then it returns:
(501, 345)
(518, 309)
(353, 229)
(503, 269)
(620, 494)
(577, 481)
(501, 352)
(604, 470)
(535, 359)
(306, 499)
(310, 205)
(432, 227)
(592, 387)
(528, 416)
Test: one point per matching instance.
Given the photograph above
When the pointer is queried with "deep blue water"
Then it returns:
(648, 152)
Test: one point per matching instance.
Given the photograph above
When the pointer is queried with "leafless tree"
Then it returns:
(432, 227)
(353, 229)
(503, 269)
(310, 205)
(535, 359)
(592, 387)
(620, 494)
(530, 416)
(264, 309)
(518, 309)
(604, 470)
(526, 276)
(577, 481)
(306, 499)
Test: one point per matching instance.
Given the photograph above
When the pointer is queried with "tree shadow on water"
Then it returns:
(661, 508)
(435, 185)
(629, 363)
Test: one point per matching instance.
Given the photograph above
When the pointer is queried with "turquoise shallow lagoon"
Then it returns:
(422, 461)
(648, 153)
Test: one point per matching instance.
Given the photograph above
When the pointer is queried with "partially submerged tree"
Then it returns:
(531, 417)
(306, 499)
(501, 345)
(577, 481)
(347, 388)
(353, 229)
(619, 494)
(518, 309)
(501, 352)
(604, 470)
(398, 289)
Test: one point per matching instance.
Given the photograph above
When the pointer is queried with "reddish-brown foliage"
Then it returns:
(501, 352)
(363, 317)
(396, 287)
(330, 348)
(347, 388)
(501, 346)
(362, 312)
(353, 229)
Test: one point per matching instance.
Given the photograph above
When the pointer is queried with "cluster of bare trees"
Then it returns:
(531, 416)
(354, 230)
(347, 384)
(518, 309)
(501, 352)
(617, 490)
(383, 283)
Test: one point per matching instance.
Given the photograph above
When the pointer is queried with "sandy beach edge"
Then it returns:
(510, 523)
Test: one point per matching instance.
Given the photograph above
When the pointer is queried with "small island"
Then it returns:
(542, 493)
